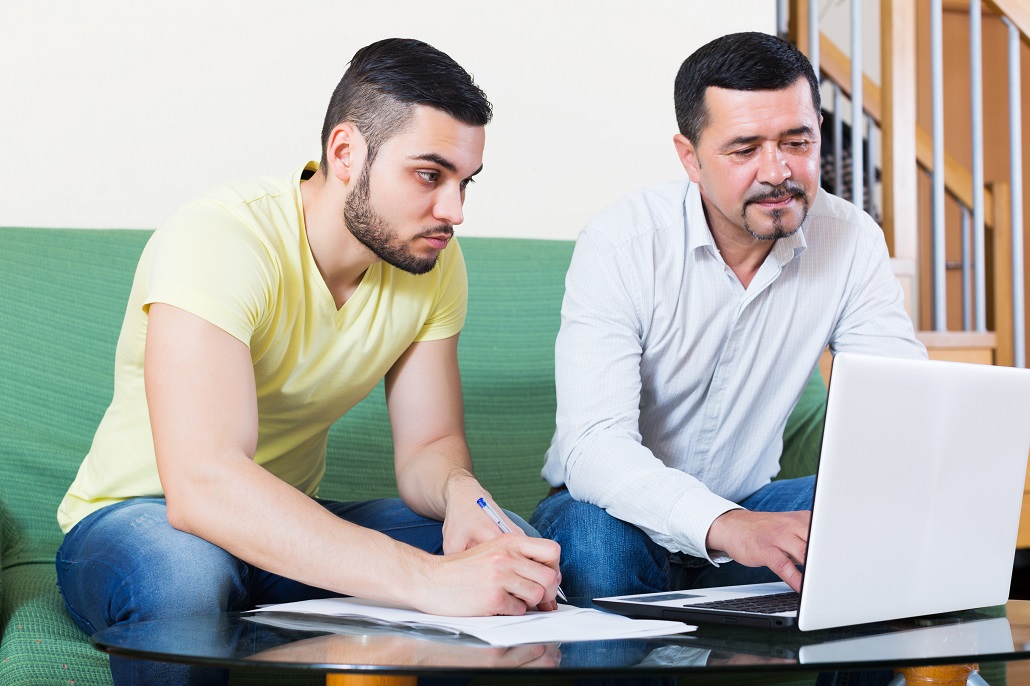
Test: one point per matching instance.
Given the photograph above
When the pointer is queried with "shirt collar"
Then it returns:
(700, 236)
(698, 233)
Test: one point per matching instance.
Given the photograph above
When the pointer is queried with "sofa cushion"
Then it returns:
(41, 644)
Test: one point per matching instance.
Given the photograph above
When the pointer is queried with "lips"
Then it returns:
(438, 240)
(775, 202)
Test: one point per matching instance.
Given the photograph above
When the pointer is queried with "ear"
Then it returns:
(688, 156)
(345, 151)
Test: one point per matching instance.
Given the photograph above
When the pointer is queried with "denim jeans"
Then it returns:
(604, 556)
(126, 563)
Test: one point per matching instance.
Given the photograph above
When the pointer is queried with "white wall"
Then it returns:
(115, 112)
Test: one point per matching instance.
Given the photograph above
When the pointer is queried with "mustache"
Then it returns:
(785, 189)
(442, 230)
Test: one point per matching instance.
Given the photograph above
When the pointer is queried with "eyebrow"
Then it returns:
(747, 140)
(443, 162)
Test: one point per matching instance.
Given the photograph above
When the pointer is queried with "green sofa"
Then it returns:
(62, 297)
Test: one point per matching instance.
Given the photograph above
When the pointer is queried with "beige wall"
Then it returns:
(115, 112)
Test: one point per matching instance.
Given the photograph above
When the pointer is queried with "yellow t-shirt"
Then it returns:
(239, 258)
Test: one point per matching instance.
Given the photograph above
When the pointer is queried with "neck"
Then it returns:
(341, 259)
(742, 252)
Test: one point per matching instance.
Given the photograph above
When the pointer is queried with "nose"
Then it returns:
(448, 207)
(772, 166)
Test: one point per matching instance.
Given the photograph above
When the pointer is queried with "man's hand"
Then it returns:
(466, 526)
(504, 576)
(410, 650)
(777, 540)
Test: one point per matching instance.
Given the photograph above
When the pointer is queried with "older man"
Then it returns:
(694, 313)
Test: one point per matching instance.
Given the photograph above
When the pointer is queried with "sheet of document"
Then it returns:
(566, 624)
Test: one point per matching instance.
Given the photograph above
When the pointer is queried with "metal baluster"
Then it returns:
(976, 96)
(967, 272)
(813, 36)
(870, 167)
(783, 18)
(940, 319)
(856, 102)
(1016, 179)
(838, 142)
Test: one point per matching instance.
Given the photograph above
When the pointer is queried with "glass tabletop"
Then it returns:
(341, 644)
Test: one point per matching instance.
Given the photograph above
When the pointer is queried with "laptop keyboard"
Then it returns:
(764, 604)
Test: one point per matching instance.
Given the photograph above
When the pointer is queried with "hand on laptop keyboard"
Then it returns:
(777, 540)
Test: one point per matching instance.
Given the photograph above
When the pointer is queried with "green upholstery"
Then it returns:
(62, 298)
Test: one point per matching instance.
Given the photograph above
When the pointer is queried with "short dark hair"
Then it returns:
(748, 61)
(386, 79)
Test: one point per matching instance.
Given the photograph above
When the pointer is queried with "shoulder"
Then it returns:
(640, 216)
(835, 225)
(261, 213)
(831, 213)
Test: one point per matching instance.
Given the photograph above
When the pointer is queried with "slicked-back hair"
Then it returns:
(747, 61)
(387, 79)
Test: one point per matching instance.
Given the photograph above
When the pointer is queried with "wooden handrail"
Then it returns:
(1017, 11)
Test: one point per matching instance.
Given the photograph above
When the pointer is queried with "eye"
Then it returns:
(744, 153)
(798, 146)
(466, 182)
(428, 175)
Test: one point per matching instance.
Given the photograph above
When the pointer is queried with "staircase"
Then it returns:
(962, 273)
(950, 204)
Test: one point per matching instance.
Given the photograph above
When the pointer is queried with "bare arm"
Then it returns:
(202, 401)
(434, 470)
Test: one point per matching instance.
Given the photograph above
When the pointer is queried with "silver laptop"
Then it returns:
(917, 501)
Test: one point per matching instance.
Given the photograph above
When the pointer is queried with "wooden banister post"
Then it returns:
(1000, 275)
(898, 123)
(799, 25)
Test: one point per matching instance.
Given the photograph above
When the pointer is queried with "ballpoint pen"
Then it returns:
(492, 513)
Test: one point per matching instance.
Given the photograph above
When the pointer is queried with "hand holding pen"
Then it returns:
(492, 513)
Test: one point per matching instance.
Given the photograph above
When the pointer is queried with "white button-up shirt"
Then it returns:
(674, 382)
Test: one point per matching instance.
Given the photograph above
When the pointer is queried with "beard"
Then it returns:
(375, 233)
(780, 229)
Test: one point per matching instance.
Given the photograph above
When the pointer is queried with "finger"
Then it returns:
(541, 577)
(535, 583)
(799, 551)
(542, 550)
(783, 566)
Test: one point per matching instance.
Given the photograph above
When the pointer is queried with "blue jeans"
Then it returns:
(126, 563)
(604, 556)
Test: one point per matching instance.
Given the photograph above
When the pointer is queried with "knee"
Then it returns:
(193, 578)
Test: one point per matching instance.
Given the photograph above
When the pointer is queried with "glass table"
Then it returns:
(944, 648)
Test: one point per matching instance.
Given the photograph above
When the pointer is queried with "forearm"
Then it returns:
(240, 507)
(427, 477)
(617, 473)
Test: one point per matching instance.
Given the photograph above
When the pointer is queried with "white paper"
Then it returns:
(566, 624)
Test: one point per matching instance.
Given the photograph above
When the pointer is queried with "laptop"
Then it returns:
(917, 501)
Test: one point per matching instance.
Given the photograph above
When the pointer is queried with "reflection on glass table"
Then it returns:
(340, 645)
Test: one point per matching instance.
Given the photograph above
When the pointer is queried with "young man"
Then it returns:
(258, 316)
(708, 302)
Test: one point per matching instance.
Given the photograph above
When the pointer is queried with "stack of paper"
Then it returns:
(566, 624)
